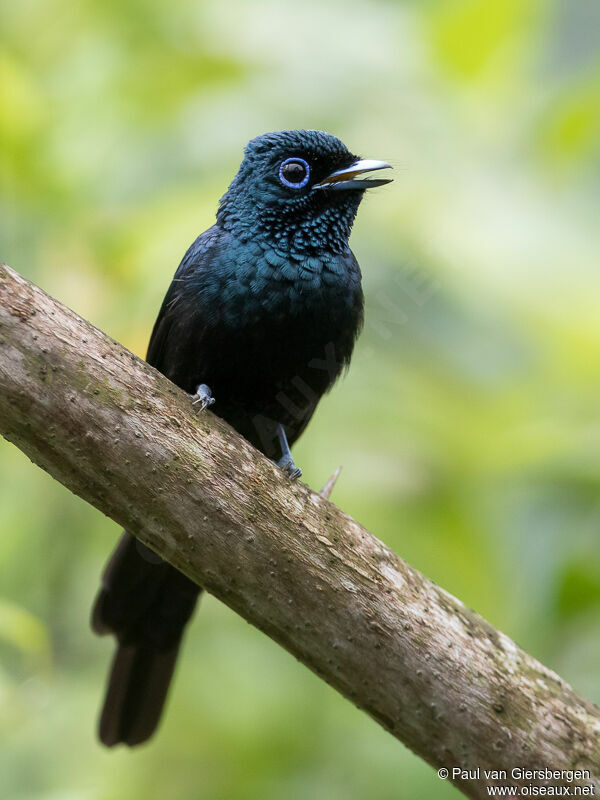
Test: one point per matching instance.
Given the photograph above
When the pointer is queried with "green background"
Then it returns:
(469, 424)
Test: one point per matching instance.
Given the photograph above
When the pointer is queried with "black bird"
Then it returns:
(260, 319)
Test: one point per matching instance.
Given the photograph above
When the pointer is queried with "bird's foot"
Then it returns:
(203, 397)
(286, 463)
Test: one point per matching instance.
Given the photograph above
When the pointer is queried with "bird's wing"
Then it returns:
(175, 346)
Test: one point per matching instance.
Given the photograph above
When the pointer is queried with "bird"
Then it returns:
(259, 321)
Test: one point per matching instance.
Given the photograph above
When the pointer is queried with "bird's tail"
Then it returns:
(146, 604)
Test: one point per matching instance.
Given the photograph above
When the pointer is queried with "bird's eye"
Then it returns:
(294, 172)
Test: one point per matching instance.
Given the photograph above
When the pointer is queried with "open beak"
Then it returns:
(345, 178)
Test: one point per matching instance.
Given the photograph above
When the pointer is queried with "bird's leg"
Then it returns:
(286, 462)
(203, 396)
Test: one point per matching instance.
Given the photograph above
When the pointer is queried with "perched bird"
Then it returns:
(259, 321)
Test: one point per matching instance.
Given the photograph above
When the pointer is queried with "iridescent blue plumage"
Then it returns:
(264, 308)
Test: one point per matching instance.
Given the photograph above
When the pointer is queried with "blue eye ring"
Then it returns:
(300, 162)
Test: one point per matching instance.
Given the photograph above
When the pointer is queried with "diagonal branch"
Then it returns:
(432, 672)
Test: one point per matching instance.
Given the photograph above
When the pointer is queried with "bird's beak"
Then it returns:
(345, 178)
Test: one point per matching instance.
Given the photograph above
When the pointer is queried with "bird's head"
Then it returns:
(299, 189)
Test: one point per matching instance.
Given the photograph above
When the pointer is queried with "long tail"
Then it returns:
(146, 604)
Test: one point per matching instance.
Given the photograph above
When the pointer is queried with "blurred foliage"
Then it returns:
(469, 424)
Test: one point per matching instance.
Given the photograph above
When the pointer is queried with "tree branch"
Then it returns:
(432, 672)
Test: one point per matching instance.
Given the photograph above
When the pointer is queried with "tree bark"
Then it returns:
(437, 676)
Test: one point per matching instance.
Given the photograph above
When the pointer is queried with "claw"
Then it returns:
(203, 396)
(286, 463)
